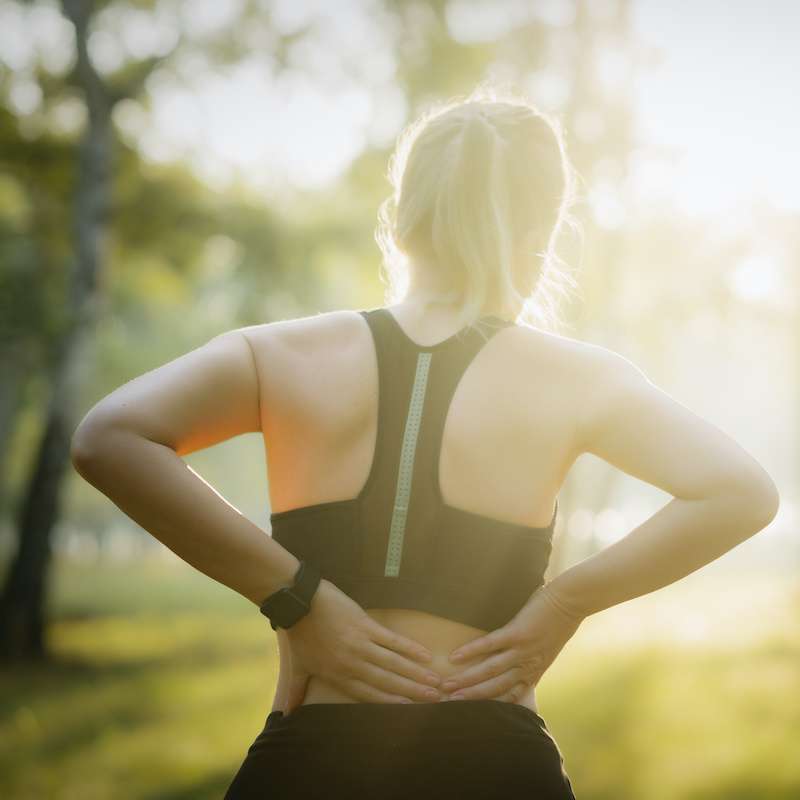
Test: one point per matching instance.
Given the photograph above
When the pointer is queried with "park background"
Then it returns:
(171, 169)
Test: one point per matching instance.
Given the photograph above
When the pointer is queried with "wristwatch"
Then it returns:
(291, 603)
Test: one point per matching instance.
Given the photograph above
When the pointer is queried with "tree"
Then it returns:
(22, 599)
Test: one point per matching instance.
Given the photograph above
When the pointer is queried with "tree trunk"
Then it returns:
(23, 599)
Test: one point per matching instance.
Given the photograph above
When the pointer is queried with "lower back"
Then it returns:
(440, 636)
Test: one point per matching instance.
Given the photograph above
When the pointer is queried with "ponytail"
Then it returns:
(470, 217)
(480, 188)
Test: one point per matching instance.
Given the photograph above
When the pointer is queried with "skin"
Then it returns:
(525, 464)
(309, 387)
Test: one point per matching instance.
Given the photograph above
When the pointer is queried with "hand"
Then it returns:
(338, 641)
(516, 655)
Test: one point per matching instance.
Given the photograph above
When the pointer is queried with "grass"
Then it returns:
(162, 678)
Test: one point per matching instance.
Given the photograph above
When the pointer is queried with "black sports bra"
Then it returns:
(397, 544)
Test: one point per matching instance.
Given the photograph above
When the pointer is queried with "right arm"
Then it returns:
(721, 495)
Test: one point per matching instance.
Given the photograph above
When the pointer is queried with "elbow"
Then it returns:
(760, 501)
(82, 452)
(86, 445)
(770, 503)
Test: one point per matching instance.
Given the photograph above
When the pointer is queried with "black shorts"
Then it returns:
(466, 749)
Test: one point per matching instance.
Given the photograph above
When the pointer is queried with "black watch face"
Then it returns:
(284, 607)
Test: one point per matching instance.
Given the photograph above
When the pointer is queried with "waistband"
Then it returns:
(491, 717)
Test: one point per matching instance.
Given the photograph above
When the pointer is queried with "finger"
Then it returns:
(359, 690)
(489, 689)
(393, 683)
(394, 662)
(489, 643)
(490, 667)
(400, 644)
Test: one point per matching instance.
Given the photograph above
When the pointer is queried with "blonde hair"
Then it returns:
(481, 189)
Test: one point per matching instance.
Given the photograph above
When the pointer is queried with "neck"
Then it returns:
(428, 293)
(445, 304)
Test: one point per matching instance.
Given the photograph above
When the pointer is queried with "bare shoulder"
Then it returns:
(573, 358)
(631, 422)
(579, 385)
(307, 360)
(304, 335)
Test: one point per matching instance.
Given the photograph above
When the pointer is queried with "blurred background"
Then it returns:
(176, 168)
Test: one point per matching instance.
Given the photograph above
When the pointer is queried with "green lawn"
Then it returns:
(162, 678)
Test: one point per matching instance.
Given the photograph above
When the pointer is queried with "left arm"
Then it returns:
(129, 446)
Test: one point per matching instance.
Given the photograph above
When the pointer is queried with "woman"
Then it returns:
(415, 454)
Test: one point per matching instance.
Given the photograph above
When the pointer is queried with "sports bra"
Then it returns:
(397, 544)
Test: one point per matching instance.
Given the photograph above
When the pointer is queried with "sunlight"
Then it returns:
(220, 168)
(725, 112)
(703, 608)
(716, 129)
(758, 277)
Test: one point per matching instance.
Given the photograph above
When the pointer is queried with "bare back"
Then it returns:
(513, 417)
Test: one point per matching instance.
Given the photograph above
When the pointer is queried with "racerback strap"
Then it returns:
(401, 503)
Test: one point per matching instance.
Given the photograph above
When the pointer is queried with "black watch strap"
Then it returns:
(291, 603)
